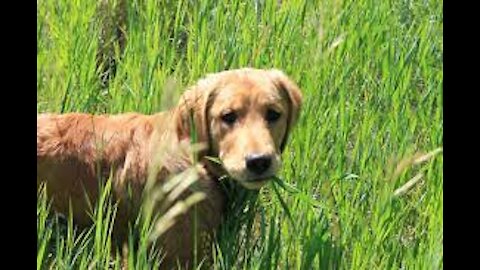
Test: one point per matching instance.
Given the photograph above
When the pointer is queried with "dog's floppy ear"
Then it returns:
(295, 99)
(192, 112)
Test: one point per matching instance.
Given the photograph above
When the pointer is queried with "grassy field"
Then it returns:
(371, 125)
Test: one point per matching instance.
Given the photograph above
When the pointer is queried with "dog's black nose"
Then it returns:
(258, 163)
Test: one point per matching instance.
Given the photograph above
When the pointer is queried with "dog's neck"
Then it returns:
(213, 168)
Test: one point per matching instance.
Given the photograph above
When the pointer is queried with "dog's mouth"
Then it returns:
(256, 185)
(253, 177)
(256, 182)
(260, 179)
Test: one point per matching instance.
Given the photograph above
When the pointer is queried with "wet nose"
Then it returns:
(258, 163)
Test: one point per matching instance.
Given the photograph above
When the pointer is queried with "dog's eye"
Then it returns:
(229, 118)
(272, 116)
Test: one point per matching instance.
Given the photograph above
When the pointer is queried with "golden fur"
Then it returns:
(242, 116)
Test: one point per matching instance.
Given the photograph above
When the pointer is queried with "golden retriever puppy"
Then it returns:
(243, 117)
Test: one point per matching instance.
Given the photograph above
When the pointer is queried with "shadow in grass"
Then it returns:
(252, 236)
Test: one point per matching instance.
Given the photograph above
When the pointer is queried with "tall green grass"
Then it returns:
(371, 74)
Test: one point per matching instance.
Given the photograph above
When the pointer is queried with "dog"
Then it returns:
(243, 117)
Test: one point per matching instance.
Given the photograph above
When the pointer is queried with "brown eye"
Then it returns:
(272, 116)
(229, 118)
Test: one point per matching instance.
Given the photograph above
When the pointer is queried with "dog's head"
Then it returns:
(244, 116)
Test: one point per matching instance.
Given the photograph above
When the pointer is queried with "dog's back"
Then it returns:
(75, 151)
